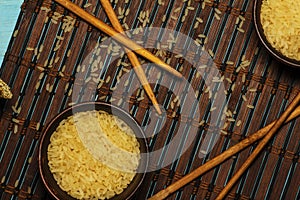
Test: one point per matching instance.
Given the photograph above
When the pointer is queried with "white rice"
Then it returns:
(76, 167)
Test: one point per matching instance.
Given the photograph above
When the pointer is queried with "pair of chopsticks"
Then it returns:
(266, 133)
(121, 38)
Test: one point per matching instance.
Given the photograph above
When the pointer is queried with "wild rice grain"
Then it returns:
(252, 90)
(113, 88)
(217, 16)
(180, 68)
(126, 82)
(207, 89)
(41, 48)
(250, 106)
(202, 36)
(228, 62)
(37, 85)
(63, 68)
(87, 5)
(46, 20)
(70, 92)
(224, 132)
(88, 79)
(36, 51)
(15, 33)
(211, 53)
(56, 47)
(100, 84)
(82, 68)
(177, 9)
(172, 105)
(3, 179)
(231, 120)
(240, 30)
(119, 102)
(56, 59)
(160, 2)
(158, 75)
(241, 24)
(200, 20)
(225, 125)
(243, 58)
(67, 86)
(237, 20)
(218, 11)
(183, 19)
(54, 21)
(233, 87)
(213, 108)
(196, 25)
(229, 80)
(16, 183)
(201, 123)
(205, 40)
(15, 128)
(71, 103)
(127, 12)
(112, 99)
(238, 69)
(38, 126)
(176, 99)
(59, 37)
(15, 120)
(108, 79)
(174, 17)
(41, 75)
(14, 109)
(47, 86)
(140, 98)
(243, 78)
(173, 114)
(29, 190)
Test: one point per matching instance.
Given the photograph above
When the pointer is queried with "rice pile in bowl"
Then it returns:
(281, 24)
(75, 161)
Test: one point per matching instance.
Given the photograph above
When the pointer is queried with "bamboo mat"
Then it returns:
(49, 45)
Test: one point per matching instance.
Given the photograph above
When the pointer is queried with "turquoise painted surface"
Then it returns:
(9, 11)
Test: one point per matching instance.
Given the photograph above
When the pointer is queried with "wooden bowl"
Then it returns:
(260, 32)
(46, 175)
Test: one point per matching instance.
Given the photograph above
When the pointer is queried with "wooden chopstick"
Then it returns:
(115, 35)
(131, 56)
(259, 147)
(219, 159)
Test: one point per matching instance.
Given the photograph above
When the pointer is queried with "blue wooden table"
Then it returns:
(9, 10)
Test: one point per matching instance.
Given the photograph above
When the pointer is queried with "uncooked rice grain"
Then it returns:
(76, 167)
(3, 179)
(281, 24)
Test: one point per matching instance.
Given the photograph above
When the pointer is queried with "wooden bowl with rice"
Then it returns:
(69, 164)
(277, 24)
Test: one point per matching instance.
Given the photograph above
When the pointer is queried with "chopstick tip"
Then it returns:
(157, 108)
